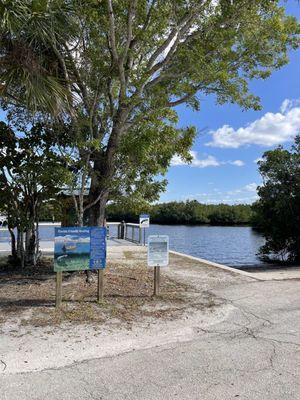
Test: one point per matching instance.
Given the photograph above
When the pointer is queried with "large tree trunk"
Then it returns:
(97, 214)
(14, 253)
(103, 171)
(30, 245)
(19, 242)
(20, 247)
(37, 243)
(99, 189)
(31, 238)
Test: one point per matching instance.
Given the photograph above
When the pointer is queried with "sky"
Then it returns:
(230, 141)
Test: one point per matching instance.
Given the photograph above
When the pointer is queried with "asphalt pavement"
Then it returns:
(253, 354)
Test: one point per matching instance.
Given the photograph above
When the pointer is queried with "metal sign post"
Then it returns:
(158, 256)
(79, 249)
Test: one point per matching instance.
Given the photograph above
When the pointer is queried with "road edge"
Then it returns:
(216, 265)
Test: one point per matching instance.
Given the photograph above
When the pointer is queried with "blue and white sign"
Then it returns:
(79, 248)
(97, 248)
(158, 250)
(144, 220)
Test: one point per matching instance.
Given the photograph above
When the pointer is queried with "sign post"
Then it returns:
(156, 281)
(79, 249)
(158, 256)
(100, 290)
(58, 296)
(144, 223)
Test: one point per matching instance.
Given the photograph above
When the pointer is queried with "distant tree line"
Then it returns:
(190, 212)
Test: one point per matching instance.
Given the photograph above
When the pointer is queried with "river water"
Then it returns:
(230, 245)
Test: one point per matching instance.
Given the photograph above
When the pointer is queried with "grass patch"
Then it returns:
(29, 296)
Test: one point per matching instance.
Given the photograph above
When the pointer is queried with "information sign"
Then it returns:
(79, 248)
(158, 251)
(144, 220)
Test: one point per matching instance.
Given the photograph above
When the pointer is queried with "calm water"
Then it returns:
(229, 245)
(233, 246)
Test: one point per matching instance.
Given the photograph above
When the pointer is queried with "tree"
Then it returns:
(31, 76)
(30, 173)
(138, 176)
(131, 62)
(278, 208)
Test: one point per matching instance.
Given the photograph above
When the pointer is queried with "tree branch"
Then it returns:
(112, 39)
(149, 15)
(94, 202)
(77, 76)
(131, 15)
(112, 32)
(179, 35)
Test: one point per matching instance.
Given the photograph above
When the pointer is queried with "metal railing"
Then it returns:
(127, 231)
(133, 233)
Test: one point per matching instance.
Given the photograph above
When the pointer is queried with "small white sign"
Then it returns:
(144, 220)
(158, 250)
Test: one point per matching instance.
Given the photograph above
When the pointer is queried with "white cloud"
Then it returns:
(269, 130)
(208, 161)
(288, 104)
(251, 187)
(238, 163)
(246, 194)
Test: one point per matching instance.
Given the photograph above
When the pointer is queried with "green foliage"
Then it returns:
(278, 209)
(30, 72)
(30, 173)
(144, 157)
(187, 213)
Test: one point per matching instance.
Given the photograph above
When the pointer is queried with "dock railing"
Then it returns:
(133, 233)
(127, 231)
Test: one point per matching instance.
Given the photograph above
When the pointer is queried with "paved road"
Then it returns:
(254, 354)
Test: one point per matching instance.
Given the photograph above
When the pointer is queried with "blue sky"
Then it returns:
(225, 171)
